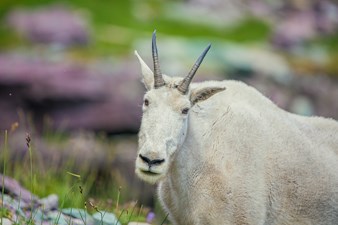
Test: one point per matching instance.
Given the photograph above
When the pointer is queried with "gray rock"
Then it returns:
(12, 187)
(105, 218)
(37, 216)
(40, 215)
(138, 223)
(5, 221)
(79, 214)
(302, 105)
(56, 217)
(51, 202)
(14, 208)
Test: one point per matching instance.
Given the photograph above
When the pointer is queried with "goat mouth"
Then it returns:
(149, 172)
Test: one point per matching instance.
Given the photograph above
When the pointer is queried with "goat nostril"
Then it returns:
(157, 161)
(151, 162)
(145, 159)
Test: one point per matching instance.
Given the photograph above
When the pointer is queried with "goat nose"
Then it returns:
(151, 162)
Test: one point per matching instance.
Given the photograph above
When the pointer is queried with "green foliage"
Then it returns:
(82, 190)
(330, 42)
(4, 212)
(44, 178)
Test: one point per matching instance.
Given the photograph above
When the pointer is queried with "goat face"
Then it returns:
(163, 130)
(165, 116)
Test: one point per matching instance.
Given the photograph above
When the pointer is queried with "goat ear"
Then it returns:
(201, 94)
(148, 76)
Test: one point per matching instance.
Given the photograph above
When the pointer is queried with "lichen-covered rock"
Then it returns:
(71, 96)
(52, 24)
(15, 189)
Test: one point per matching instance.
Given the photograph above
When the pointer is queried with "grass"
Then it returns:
(4, 211)
(74, 189)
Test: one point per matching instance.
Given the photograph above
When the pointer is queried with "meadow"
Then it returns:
(98, 175)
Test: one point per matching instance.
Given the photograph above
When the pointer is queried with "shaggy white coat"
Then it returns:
(241, 160)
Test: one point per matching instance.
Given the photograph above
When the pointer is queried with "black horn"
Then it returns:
(158, 79)
(184, 86)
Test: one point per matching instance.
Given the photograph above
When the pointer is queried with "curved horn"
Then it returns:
(184, 86)
(158, 79)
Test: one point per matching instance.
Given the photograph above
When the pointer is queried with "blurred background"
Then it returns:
(69, 78)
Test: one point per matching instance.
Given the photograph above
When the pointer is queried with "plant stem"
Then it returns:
(165, 218)
(118, 198)
(3, 176)
(28, 142)
(132, 211)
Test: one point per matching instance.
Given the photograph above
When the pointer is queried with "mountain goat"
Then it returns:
(222, 153)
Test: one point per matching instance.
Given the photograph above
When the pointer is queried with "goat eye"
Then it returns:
(146, 102)
(185, 111)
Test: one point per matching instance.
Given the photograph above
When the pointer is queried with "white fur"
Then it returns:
(237, 158)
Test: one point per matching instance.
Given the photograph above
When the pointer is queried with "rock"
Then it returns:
(83, 149)
(229, 57)
(15, 189)
(302, 105)
(37, 215)
(51, 202)
(56, 217)
(220, 13)
(302, 21)
(80, 214)
(254, 60)
(52, 24)
(43, 211)
(71, 96)
(105, 218)
(138, 223)
(14, 205)
(295, 29)
(318, 94)
(5, 221)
